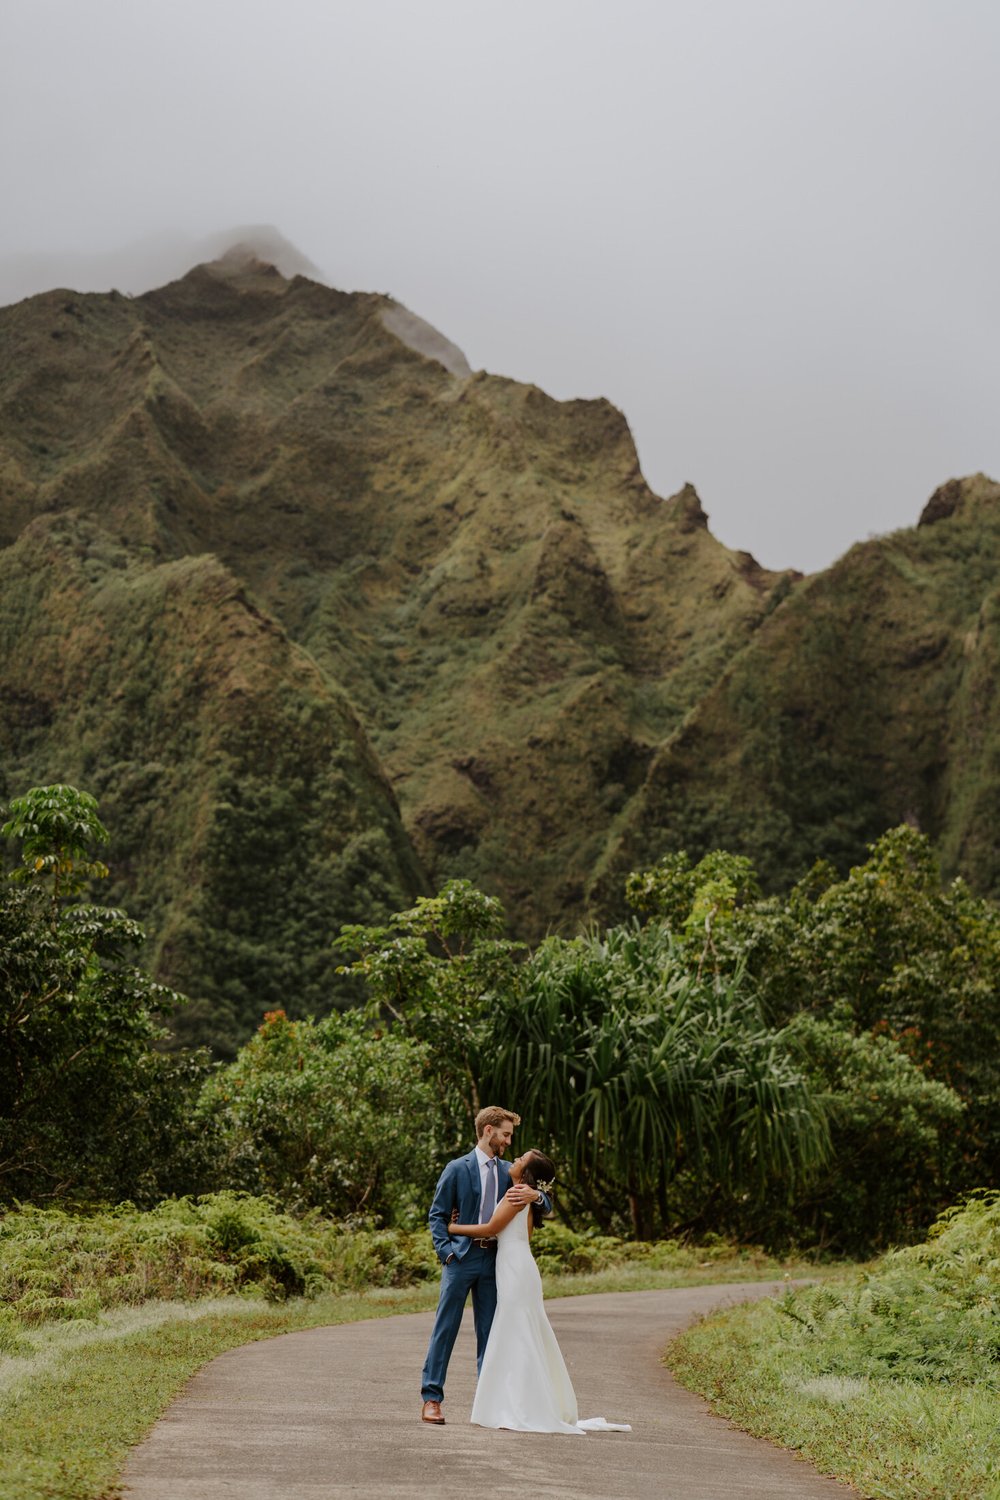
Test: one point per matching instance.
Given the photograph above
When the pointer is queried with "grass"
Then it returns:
(72, 1409)
(888, 1378)
(88, 1362)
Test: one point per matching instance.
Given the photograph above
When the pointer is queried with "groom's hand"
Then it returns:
(520, 1193)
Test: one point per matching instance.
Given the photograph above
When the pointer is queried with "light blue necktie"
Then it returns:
(490, 1195)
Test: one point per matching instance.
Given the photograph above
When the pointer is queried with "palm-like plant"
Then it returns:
(630, 1068)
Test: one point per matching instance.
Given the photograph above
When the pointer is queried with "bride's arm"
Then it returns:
(502, 1215)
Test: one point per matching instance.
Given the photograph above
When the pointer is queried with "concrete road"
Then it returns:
(335, 1412)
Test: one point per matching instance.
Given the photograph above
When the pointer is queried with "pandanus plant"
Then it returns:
(631, 1068)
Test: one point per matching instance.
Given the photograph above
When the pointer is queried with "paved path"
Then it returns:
(335, 1412)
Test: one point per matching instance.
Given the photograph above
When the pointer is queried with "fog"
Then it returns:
(767, 230)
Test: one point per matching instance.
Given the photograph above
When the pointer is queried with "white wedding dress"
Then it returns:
(524, 1384)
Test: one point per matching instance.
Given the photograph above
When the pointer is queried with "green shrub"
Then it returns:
(894, 1133)
(325, 1115)
(561, 1250)
(930, 1312)
(57, 1265)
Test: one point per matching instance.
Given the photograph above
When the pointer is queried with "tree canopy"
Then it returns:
(89, 1107)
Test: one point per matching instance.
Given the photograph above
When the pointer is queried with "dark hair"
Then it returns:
(538, 1168)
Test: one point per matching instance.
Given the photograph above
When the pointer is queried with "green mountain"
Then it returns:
(245, 801)
(323, 618)
(867, 700)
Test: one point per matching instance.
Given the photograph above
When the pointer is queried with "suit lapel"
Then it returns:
(477, 1184)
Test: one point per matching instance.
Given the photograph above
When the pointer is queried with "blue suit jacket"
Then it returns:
(460, 1186)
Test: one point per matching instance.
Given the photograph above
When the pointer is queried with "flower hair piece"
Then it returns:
(546, 1187)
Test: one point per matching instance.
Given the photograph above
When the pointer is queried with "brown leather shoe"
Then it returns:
(432, 1413)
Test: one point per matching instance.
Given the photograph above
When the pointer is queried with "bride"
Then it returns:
(524, 1384)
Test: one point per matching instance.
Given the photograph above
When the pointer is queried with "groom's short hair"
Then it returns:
(493, 1115)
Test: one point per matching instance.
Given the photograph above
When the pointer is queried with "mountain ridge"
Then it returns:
(526, 656)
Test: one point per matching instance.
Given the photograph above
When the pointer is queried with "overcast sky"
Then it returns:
(768, 230)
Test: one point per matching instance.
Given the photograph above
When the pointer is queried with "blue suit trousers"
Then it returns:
(475, 1272)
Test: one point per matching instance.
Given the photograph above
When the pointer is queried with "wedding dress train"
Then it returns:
(524, 1384)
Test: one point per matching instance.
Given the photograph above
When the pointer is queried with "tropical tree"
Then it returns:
(56, 826)
(89, 1107)
(895, 1136)
(437, 971)
(631, 1069)
(698, 903)
(888, 949)
(327, 1114)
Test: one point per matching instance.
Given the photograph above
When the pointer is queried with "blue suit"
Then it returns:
(472, 1268)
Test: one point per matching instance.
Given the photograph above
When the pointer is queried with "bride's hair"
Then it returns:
(538, 1168)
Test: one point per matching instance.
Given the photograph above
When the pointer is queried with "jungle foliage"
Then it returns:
(439, 971)
(331, 1115)
(817, 1068)
(638, 1073)
(90, 1108)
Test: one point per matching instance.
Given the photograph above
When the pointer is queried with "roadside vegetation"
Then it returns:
(730, 1084)
(104, 1315)
(817, 1071)
(888, 1378)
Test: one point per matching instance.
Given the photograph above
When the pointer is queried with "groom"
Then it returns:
(469, 1189)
